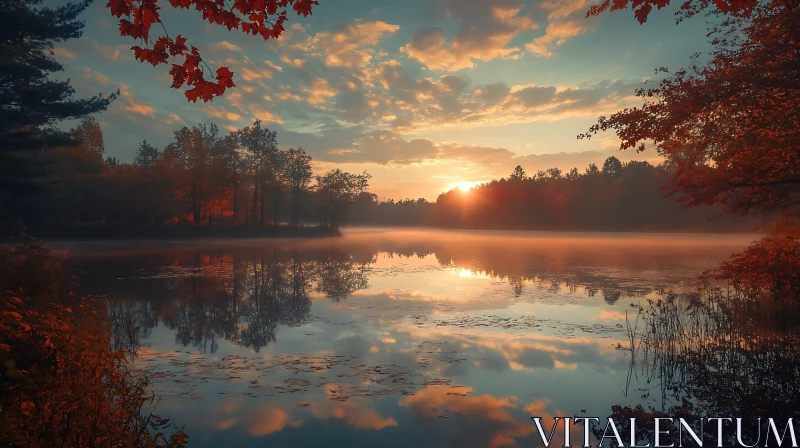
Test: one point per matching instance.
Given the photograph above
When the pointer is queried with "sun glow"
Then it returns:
(466, 186)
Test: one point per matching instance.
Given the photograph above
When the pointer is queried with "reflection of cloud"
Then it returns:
(226, 424)
(609, 315)
(534, 358)
(267, 420)
(352, 414)
(489, 422)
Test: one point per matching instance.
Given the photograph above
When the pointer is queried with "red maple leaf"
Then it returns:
(119, 8)
(266, 18)
(225, 77)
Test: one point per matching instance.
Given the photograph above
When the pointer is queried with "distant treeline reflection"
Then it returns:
(243, 295)
(241, 298)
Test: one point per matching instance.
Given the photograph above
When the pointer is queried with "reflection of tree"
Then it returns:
(518, 284)
(244, 304)
(611, 296)
(338, 279)
(719, 356)
(279, 297)
(241, 297)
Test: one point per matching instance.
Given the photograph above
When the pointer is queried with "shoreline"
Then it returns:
(112, 233)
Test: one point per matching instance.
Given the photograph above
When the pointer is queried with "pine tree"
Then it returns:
(31, 103)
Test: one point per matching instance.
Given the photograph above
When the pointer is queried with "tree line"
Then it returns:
(617, 196)
(203, 176)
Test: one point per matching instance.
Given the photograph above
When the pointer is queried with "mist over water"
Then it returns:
(393, 337)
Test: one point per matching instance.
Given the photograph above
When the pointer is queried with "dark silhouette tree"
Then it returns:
(31, 103)
(518, 174)
(146, 156)
(298, 174)
(335, 191)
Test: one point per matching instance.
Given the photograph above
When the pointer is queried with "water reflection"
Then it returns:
(240, 297)
(395, 338)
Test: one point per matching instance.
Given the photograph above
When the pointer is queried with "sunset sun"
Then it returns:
(466, 186)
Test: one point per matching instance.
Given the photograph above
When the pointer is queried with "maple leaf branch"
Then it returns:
(166, 33)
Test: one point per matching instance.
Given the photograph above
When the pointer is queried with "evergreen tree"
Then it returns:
(31, 103)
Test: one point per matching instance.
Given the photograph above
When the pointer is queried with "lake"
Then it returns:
(390, 337)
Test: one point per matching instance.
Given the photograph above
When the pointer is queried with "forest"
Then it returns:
(615, 197)
(202, 177)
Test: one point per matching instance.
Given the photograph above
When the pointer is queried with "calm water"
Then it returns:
(390, 338)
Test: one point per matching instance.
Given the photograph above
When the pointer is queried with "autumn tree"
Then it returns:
(297, 172)
(194, 147)
(335, 191)
(261, 145)
(231, 166)
(731, 130)
(642, 8)
(730, 126)
(137, 19)
(89, 135)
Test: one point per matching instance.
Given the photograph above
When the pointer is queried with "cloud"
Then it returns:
(555, 35)
(226, 46)
(131, 104)
(63, 52)
(86, 48)
(110, 53)
(96, 76)
(221, 113)
(351, 46)
(265, 116)
(566, 19)
(562, 9)
(342, 77)
(485, 33)
(385, 147)
(319, 92)
(491, 94)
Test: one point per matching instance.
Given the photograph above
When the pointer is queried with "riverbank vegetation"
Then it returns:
(62, 382)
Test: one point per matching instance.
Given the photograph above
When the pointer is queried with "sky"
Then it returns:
(424, 95)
